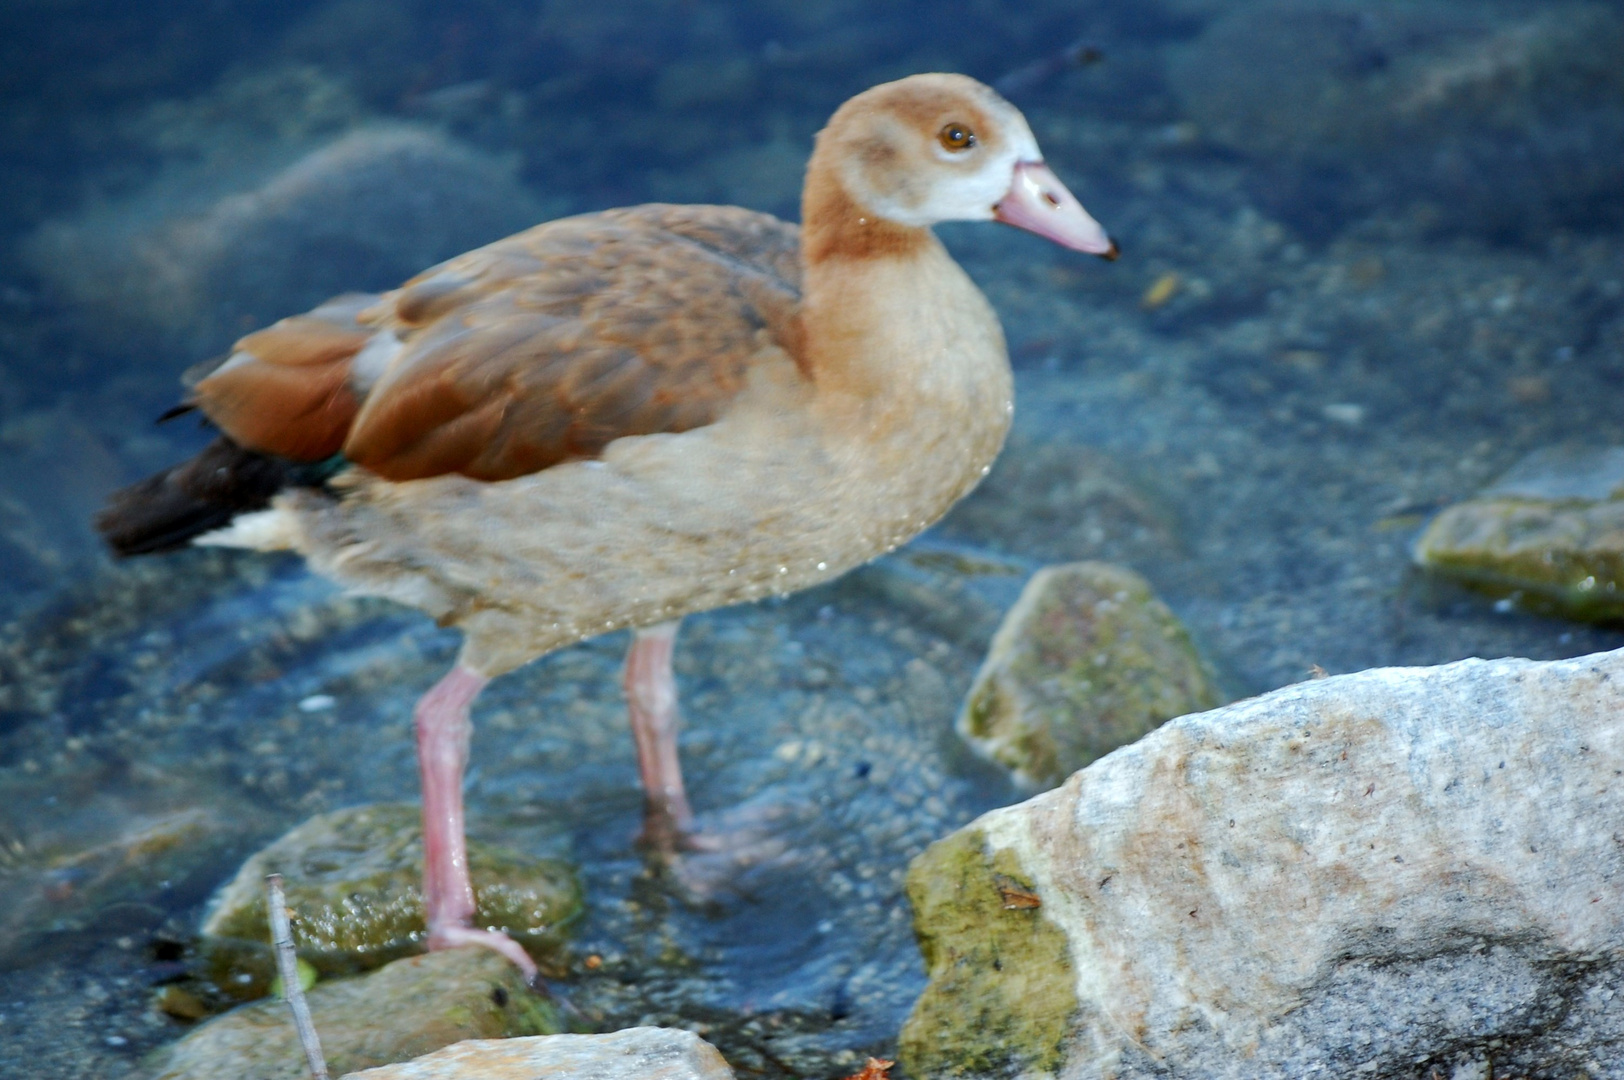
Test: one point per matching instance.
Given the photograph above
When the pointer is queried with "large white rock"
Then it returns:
(643, 1053)
(1377, 874)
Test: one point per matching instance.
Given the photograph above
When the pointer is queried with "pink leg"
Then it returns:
(443, 731)
(651, 698)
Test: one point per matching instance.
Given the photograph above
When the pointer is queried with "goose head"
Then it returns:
(935, 148)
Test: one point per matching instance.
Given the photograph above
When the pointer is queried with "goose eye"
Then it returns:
(956, 137)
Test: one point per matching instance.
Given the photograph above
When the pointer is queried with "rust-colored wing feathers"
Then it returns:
(551, 344)
(285, 390)
(537, 349)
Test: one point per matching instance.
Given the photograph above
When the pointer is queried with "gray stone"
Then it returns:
(1548, 536)
(399, 1012)
(1086, 661)
(642, 1053)
(355, 898)
(1374, 874)
(200, 268)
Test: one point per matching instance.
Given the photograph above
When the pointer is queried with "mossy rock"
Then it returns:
(1086, 661)
(1002, 991)
(404, 1010)
(1548, 536)
(1548, 558)
(355, 899)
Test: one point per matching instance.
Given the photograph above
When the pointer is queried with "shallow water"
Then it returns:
(1311, 343)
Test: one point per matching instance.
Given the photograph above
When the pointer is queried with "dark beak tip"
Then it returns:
(1113, 254)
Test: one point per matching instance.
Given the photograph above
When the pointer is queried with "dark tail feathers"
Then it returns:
(164, 512)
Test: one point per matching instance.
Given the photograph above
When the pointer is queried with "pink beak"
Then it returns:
(1039, 203)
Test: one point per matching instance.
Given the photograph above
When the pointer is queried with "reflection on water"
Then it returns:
(1372, 259)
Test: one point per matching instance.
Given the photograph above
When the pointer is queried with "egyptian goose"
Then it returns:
(612, 420)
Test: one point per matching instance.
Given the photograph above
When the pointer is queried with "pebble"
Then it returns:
(401, 1011)
(642, 1053)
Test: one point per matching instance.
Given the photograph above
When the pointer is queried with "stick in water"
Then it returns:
(288, 967)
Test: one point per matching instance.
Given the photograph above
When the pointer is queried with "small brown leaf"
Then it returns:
(875, 1069)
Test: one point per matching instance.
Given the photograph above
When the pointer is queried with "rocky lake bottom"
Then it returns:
(1255, 409)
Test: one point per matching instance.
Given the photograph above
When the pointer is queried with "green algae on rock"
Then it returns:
(1086, 661)
(1547, 537)
(1002, 991)
(355, 899)
(407, 1009)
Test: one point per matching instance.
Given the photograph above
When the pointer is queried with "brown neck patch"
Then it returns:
(835, 226)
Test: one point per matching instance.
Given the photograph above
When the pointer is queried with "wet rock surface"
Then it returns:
(1368, 875)
(1086, 661)
(399, 1012)
(355, 899)
(634, 1054)
(1546, 537)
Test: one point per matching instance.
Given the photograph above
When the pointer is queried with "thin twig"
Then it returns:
(1080, 53)
(288, 966)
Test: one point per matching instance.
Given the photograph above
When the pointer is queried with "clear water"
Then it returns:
(1372, 259)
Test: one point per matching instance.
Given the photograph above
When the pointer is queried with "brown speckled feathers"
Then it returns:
(537, 349)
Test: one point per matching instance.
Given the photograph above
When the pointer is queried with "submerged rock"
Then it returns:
(80, 856)
(1494, 120)
(1548, 536)
(57, 472)
(1086, 661)
(957, 592)
(355, 899)
(641, 1053)
(1073, 502)
(199, 268)
(1369, 874)
(404, 1010)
